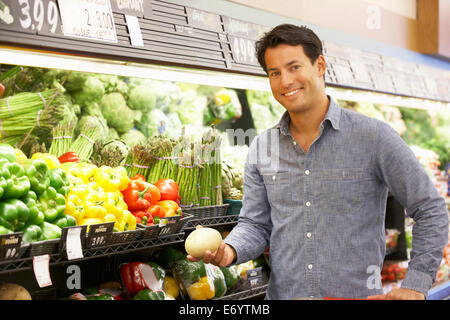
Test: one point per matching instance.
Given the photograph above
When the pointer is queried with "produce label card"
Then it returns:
(41, 270)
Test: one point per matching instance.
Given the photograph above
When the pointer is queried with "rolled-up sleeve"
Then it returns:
(409, 183)
(250, 237)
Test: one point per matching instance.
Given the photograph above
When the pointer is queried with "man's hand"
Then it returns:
(223, 257)
(399, 294)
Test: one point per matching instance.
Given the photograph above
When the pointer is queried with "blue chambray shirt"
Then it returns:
(322, 212)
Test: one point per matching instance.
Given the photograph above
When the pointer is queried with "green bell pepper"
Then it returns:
(148, 294)
(36, 171)
(31, 233)
(18, 183)
(101, 296)
(59, 181)
(231, 276)
(53, 204)
(189, 271)
(13, 214)
(36, 216)
(3, 186)
(7, 152)
(4, 230)
(50, 231)
(65, 221)
(168, 255)
(220, 285)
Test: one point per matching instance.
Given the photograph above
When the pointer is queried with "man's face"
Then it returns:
(295, 82)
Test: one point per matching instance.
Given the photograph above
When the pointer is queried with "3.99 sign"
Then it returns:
(31, 16)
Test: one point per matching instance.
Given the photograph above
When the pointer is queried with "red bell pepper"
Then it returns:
(132, 278)
(169, 190)
(2, 90)
(137, 195)
(143, 217)
(156, 211)
(69, 157)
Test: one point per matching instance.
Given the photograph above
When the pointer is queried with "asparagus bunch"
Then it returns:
(62, 138)
(165, 165)
(139, 160)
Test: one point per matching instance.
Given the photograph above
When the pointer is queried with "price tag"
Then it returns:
(134, 30)
(99, 234)
(73, 244)
(10, 245)
(243, 50)
(30, 16)
(88, 19)
(41, 270)
(149, 277)
(254, 277)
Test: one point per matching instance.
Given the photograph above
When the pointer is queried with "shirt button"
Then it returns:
(295, 143)
(273, 178)
(308, 204)
(310, 266)
(309, 235)
(307, 172)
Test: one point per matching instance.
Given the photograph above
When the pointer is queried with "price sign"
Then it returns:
(31, 16)
(254, 277)
(99, 234)
(243, 50)
(204, 20)
(88, 19)
(73, 240)
(41, 270)
(10, 245)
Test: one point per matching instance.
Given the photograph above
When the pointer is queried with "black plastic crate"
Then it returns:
(125, 236)
(39, 248)
(207, 211)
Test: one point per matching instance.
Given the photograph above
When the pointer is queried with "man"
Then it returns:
(321, 207)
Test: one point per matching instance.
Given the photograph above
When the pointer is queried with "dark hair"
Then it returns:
(291, 35)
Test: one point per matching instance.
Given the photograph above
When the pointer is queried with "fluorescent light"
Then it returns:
(383, 98)
(131, 69)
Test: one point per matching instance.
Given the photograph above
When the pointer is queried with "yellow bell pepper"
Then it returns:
(110, 179)
(110, 218)
(130, 220)
(171, 286)
(201, 290)
(74, 207)
(83, 170)
(20, 155)
(123, 174)
(115, 204)
(89, 221)
(51, 160)
(94, 205)
(78, 188)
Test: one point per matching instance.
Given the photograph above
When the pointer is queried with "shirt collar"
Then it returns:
(333, 116)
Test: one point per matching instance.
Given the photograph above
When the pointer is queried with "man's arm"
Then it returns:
(399, 169)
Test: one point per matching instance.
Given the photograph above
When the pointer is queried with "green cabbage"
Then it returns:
(142, 98)
(92, 90)
(133, 137)
(117, 113)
